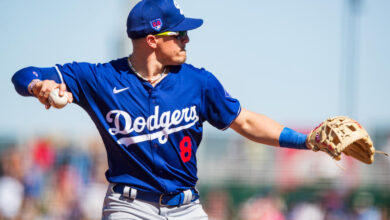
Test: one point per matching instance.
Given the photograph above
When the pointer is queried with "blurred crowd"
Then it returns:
(54, 178)
(51, 178)
(331, 205)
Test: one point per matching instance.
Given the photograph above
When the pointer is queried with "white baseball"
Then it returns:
(56, 100)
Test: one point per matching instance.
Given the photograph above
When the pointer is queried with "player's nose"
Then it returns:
(186, 39)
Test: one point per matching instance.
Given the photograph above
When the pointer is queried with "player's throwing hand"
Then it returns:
(42, 90)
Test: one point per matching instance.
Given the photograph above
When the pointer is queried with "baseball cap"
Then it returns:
(156, 16)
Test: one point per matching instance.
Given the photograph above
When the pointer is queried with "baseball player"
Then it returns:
(149, 109)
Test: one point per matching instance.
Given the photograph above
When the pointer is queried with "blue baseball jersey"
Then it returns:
(151, 134)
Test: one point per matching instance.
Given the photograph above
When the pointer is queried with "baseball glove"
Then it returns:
(342, 135)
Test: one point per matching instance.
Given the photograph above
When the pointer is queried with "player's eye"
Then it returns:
(181, 35)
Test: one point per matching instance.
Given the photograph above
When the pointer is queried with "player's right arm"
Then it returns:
(39, 82)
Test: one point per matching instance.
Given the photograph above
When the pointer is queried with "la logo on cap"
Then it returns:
(153, 16)
(177, 6)
(156, 24)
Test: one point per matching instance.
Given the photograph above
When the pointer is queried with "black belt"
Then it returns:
(178, 199)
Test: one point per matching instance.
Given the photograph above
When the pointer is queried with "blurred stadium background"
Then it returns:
(333, 55)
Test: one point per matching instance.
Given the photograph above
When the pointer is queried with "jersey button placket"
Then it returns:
(154, 145)
(151, 112)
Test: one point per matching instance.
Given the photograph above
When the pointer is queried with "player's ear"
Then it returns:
(151, 40)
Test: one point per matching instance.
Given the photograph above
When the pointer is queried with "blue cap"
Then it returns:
(156, 16)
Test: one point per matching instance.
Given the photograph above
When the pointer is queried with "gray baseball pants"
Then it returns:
(117, 207)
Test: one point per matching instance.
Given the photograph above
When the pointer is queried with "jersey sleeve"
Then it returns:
(79, 78)
(220, 109)
(22, 78)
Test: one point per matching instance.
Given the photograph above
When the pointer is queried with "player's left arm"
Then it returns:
(262, 129)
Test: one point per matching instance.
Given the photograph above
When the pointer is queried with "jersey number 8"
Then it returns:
(185, 149)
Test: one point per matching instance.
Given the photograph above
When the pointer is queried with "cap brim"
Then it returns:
(187, 24)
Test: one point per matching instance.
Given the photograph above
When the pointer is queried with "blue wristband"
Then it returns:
(291, 139)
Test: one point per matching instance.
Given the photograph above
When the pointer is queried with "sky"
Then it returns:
(285, 59)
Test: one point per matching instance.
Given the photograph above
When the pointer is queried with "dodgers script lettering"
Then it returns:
(163, 124)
